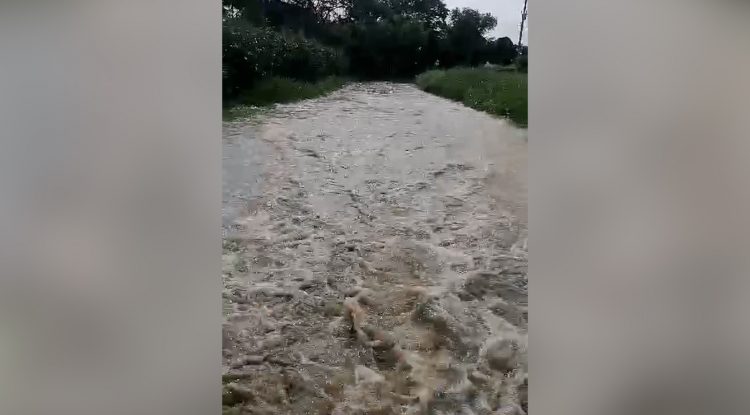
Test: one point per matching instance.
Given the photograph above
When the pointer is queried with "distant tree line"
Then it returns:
(373, 39)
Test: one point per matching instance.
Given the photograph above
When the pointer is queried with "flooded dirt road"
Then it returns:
(375, 258)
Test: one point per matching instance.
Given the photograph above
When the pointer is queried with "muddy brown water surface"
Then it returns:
(375, 258)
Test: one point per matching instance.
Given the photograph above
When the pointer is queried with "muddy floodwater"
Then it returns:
(374, 258)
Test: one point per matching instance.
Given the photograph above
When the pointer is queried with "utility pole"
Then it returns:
(523, 20)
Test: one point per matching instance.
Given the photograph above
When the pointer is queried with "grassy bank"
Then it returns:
(502, 93)
(278, 90)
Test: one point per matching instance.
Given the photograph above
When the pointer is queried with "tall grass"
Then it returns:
(502, 93)
(278, 90)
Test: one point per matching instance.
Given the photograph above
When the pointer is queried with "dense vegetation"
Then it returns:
(252, 54)
(494, 91)
(309, 41)
(278, 90)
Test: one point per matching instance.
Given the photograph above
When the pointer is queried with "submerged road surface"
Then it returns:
(375, 257)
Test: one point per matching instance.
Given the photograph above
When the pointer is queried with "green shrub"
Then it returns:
(500, 93)
(522, 63)
(278, 90)
(252, 54)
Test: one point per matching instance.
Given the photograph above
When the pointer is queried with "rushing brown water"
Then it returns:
(375, 258)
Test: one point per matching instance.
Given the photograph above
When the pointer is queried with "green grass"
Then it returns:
(503, 93)
(278, 90)
(239, 111)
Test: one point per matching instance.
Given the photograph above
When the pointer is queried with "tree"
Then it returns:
(380, 39)
(392, 48)
(503, 51)
(430, 12)
(366, 11)
(471, 22)
(465, 35)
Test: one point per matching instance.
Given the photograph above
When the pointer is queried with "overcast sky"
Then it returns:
(507, 12)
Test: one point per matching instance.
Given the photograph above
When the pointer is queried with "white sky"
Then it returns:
(507, 12)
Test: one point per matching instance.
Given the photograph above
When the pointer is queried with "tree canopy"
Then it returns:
(380, 39)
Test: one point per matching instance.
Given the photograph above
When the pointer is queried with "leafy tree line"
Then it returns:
(375, 39)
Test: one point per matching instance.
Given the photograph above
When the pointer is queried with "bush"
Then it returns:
(251, 54)
(522, 63)
(500, 93)
(278, 90)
